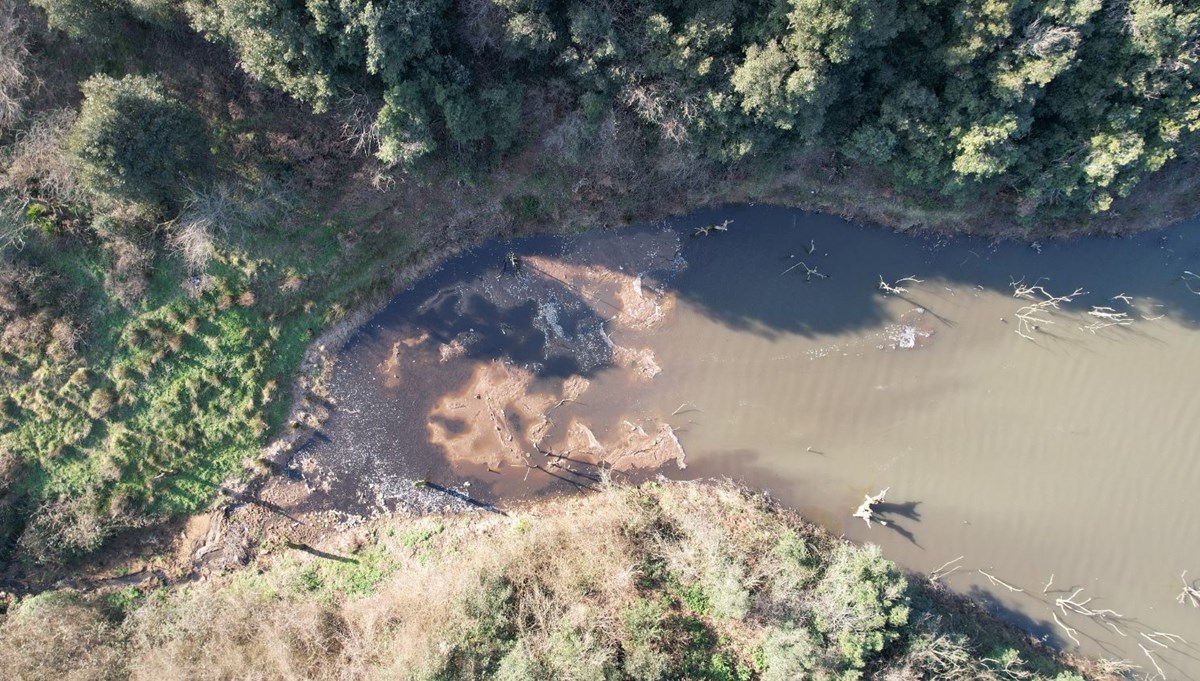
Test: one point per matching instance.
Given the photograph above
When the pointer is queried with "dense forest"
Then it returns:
(1066, 104)
(191, 192)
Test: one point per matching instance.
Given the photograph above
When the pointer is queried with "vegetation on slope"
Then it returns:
(678, 581)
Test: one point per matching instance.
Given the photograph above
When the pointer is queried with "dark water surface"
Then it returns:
(1074, 454)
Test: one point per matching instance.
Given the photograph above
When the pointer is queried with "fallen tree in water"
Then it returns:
(661, 581)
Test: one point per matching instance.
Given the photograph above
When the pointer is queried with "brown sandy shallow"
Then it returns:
(500, 421)
(637, 306)
(390, 367)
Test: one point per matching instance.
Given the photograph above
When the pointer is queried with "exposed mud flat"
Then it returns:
(1070, 453)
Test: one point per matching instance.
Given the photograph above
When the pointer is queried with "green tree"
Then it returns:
(135, 142)
(81, 19)
(861, 605)
(405, 135)
(98, 19)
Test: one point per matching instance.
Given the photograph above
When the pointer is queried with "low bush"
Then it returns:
(580, 590)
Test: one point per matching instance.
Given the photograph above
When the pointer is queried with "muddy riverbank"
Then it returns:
(1030, 433)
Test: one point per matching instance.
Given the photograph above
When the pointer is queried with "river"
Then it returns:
(1030, 408)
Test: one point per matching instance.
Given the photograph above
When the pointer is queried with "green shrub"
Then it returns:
(83, 19)
(519, 665)
(481, 633)
(861, 603)
(787, 652)
(100, 19)
(523, 208)
(134, 142)
(645, 659)
(577, 650)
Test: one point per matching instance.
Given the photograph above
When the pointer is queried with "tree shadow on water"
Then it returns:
(748, 277)
(457, 307)
(888, 512)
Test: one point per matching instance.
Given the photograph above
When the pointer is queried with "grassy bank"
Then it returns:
(660, 582)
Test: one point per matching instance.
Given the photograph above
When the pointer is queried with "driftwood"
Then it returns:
(996, 581)
(1104, 616)
(938, 574)
(1031, 317)
(1106, 317)
(1153, 661)
(681, 408)
(1188, 278)
(715, 227)
(1189, 594)
(895, 288)
(809, 272)
(1070, 632)
(865, 508)
(1155, 635)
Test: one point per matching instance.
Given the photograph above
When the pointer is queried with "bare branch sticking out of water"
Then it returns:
(1189, 594)
(809, 272)
(1152, 660)
(1104, 616)
(865, 508)
(1106, 317)
(938, 574)
(999, 582)
(895, 288)
(1173, 638)
(1032, 316)
(1049, 583)
(680, 408)
(715, 227)
(1070, 632)
(1188, 278)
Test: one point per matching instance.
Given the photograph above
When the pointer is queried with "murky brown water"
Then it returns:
(1075, 454)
